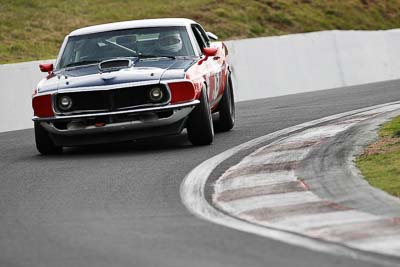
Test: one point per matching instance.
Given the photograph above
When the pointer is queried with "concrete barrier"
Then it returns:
(263, 67)
(17, 84)
(273, 66)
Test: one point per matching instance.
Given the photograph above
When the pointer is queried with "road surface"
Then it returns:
(119, 205)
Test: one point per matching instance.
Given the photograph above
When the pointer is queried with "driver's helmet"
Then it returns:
(169, 42)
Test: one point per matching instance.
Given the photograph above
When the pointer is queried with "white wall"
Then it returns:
(273, 66)
(17, 84)
(263, 67)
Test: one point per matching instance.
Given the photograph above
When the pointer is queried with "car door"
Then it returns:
(213, 70)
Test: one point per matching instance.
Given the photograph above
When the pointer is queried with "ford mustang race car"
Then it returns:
(130, 80)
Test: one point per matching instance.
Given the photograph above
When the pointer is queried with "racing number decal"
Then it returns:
(214, 80)
(217, 84)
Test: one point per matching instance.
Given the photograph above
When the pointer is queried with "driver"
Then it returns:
(169, 43)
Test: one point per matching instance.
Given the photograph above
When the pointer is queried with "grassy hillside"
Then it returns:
(380, 162)
(34, 29)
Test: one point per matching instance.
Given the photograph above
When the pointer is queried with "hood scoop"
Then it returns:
(115, 64)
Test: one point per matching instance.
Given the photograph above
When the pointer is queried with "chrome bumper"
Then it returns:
(179, 112)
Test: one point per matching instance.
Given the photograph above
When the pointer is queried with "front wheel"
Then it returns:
(44, 144)
(227, 108)
(200, 127)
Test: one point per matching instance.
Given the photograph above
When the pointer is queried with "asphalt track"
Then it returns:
(119, 205)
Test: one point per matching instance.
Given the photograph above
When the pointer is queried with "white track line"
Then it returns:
(192, 192)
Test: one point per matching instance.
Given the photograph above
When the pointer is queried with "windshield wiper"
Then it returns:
(155, 56)
(81, 63)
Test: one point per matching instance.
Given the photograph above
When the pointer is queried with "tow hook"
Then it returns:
(100, 124)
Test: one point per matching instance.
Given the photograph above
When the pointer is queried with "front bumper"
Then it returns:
(137, 123)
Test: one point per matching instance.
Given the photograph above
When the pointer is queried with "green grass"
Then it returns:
(382, 171)
(391, 129)
(380, 165)
(34, 29)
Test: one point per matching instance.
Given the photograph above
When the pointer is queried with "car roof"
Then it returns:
(167, 22)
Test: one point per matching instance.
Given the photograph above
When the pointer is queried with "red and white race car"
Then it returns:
(134, 79)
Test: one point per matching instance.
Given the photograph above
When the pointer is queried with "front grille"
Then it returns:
(111, 100)
(109, 119)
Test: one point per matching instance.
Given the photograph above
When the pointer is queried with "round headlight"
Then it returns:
(65, 103)
(156, 94)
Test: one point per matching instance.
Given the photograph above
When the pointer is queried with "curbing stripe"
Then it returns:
(192, 192)
(267, 201)
(278, 188)
(261, 179)
(261, 197)
(357, 231)
(272, 158)
(386, 244)
(308, 221)
(267, 214)
(267, 168)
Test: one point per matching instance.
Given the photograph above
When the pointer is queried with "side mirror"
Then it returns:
(47, 67)
(210, 51)
(212, 36)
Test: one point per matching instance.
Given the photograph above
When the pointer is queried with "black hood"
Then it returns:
(142, 71)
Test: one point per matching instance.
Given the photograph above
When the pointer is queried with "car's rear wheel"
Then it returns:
(200, 127)
(44, 144)
(227, 108)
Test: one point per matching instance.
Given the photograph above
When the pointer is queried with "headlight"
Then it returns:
(65, 103)
(156, 94)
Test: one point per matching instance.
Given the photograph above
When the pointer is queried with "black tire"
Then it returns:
(44, 144)
(199, 125)
(227, 108)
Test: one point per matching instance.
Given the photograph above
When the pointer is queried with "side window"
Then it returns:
(199, 37)
(204, 35)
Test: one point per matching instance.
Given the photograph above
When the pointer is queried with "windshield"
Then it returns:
(144, 42)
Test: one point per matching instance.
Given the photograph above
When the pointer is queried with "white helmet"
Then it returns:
(169, 42)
